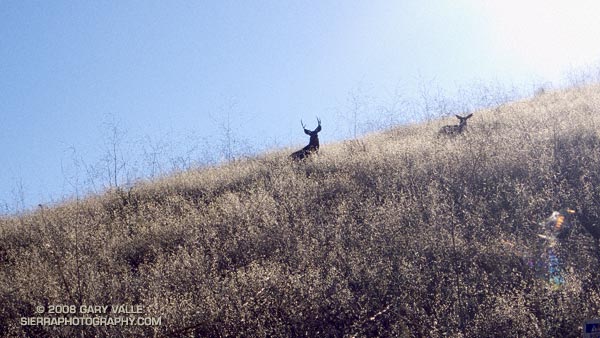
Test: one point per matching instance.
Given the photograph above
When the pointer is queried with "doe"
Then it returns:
(456, 129)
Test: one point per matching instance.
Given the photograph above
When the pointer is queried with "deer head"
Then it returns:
(463, 120)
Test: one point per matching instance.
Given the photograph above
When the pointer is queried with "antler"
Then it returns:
(302, 123)
(318, 127)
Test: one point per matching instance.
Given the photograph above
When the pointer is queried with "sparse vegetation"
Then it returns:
(402, 235)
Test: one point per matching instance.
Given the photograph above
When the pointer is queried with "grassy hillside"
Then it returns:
(401, 233)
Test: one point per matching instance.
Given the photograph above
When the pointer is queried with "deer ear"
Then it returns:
(458, 117)
(468, 116)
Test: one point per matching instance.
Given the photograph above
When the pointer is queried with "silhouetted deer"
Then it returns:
(313, 145)
(457, 129)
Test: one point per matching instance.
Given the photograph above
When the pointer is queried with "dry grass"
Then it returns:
(401, 233)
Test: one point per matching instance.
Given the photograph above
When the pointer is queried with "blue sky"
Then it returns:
(171, 75)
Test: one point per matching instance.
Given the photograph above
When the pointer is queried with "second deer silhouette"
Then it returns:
(456, 129)
(313, 145)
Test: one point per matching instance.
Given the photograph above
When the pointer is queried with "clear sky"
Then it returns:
(171, 75)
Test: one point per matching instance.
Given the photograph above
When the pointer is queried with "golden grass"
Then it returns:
(400, 233)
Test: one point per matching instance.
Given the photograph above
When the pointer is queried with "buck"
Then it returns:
(313, 144)
(456, 129)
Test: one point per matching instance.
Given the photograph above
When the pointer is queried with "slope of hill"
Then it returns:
(401, 233)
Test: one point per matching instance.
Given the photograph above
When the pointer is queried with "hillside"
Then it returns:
(401, 233)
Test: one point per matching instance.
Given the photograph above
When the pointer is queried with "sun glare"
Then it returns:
(548, 37)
